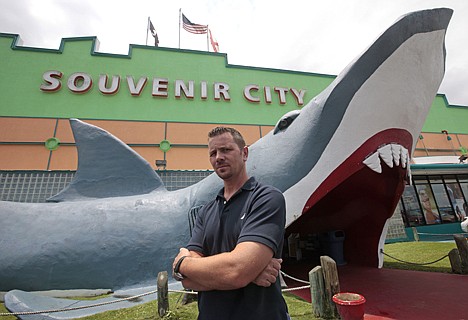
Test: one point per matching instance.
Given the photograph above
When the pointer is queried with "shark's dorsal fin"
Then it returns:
(107, 167)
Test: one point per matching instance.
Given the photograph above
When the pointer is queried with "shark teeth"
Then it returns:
(392, 155)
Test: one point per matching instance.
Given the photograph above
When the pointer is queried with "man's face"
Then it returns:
(227, 159)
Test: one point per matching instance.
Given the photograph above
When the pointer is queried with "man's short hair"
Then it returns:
(236, 135)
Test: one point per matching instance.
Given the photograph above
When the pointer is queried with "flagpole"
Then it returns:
(207, 42)
(147, 28)
(180, 18)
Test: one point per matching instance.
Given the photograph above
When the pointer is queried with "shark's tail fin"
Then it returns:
(107, 167)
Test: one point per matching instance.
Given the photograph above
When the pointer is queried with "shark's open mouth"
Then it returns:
(360, 195)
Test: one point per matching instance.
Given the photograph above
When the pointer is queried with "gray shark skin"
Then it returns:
(115, 228)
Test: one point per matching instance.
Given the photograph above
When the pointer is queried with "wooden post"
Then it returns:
(317, 292)
(455, 262)
(332, 284)
(188, 297)
(415, 234)
(462, 245)
(163, 298)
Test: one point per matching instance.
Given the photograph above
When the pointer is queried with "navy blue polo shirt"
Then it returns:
(256, 213)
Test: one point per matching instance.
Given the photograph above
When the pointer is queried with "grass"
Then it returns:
(4, 310)
(299, 309)
(415, 252)
(418, 253)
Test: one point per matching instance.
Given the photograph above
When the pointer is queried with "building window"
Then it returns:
(411, 210)
(435, 199)
(456, 197)
(464, 187)
(445, 207)
(428, 204)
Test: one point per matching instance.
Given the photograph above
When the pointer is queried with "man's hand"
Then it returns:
(269, 274)
(228, 270)
(182, 253)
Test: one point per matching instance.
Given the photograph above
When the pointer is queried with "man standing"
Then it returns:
(233, 257)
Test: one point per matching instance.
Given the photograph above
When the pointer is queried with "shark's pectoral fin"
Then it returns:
(18, 301)
(107, 167)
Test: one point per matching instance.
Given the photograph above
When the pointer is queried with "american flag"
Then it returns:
(193, 27)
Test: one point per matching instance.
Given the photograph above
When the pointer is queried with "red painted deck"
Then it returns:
(399, 294)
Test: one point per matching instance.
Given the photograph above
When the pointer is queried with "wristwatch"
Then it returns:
(176, 273)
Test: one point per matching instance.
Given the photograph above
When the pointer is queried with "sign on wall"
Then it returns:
(81, 83)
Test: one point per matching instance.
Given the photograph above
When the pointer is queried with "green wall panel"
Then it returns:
(24, 67)
(443, 116)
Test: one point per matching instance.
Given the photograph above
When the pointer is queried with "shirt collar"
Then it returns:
(248, 185)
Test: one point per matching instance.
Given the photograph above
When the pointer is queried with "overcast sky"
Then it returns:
(304, 35)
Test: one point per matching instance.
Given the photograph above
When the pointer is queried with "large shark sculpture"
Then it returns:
(341, 162)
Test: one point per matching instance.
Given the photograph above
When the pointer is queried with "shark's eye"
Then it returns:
(286, 120)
